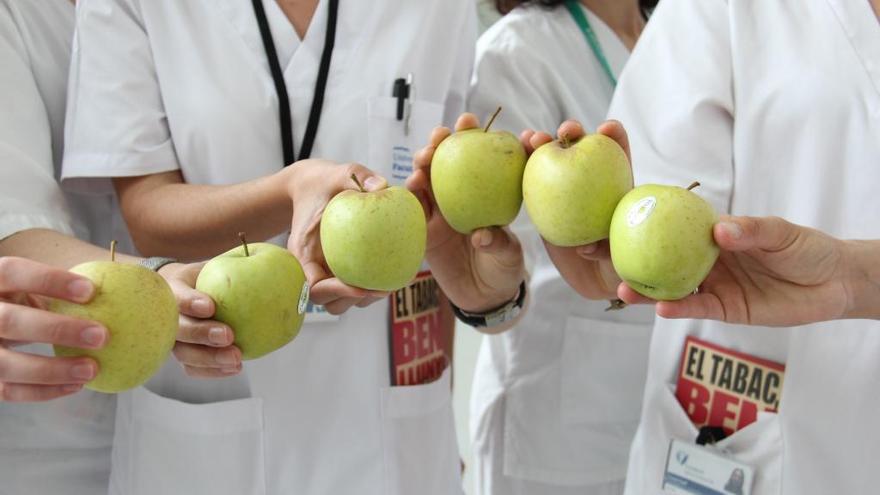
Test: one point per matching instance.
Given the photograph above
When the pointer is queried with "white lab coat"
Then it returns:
(61, 446)
(159, 85)
(775, 108)
(556, 399)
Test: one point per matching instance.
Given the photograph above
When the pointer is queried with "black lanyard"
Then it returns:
(281, 88)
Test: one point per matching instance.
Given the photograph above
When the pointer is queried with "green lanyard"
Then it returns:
(577, 13)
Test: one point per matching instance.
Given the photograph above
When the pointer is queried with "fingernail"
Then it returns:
(83, 371)
(80, 290)
(93, 336)
(732, 229)
(228, 358)
(71, 388)
(587, 249)
(201, 306)
(374, 183)
(217, 336)
(485, 238)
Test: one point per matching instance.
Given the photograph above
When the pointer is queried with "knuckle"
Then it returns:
(6, 316)
(8, 266)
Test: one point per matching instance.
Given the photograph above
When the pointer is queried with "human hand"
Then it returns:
(312, 184)
(478, 271)
(25, 287)
(204, 347)
(587, 269)
(770, 272)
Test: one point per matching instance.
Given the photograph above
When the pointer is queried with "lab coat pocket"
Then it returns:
(604, 365)
(164, 445)
(418, 432)
(393, 143)
(758, 445)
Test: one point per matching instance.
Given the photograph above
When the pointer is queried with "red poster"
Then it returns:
(416, 338)
(725, 388)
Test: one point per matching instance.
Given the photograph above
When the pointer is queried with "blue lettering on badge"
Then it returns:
(401, 163)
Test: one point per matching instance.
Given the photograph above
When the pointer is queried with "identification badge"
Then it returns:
(693, 469)
(416, 339)
(393, 142)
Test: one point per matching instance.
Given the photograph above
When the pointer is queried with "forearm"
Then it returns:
(864, 278)
(190, 222)
(55, 249)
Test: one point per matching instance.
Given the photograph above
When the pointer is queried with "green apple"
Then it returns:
(661, 240)
(374, 240)
(260, 291)
(571, 189)
(477, 178)
(138, 309)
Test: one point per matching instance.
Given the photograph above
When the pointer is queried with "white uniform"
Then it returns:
(775, 108)
(61, 446)
(160, 85)
(556, 399)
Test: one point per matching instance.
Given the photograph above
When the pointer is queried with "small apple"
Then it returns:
(571, 189)
(661, 240)
(374, 240)
(477, 178)
(260, 291)
(139, 311)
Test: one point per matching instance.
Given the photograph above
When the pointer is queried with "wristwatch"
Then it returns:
(508, 311)
(156, 262)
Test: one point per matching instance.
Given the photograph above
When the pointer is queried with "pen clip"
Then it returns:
(410, 94)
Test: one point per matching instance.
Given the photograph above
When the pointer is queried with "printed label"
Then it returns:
(695, 470)
(303, 298)
(640, 211)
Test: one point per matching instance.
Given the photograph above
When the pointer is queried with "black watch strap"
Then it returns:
(504, 313)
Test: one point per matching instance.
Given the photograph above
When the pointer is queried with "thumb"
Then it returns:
(743, 233)
(360, 177)
(498, 242)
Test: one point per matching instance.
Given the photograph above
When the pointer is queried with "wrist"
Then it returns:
(488, 302)
(862, 279)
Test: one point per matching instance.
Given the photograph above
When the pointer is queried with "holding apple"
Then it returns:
(477, 178)
(140, 312)
(374, 240)
(260, 290)
(661, 240)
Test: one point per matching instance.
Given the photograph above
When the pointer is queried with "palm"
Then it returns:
(751, 286)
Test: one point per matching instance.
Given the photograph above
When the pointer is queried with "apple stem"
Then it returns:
(113, 250)
(491, 120)
(356, 181)
(244, 243)
(694, 185)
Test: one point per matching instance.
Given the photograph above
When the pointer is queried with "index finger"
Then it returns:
(571, 130)
(466, 121)
(23, 275)
(614, 129)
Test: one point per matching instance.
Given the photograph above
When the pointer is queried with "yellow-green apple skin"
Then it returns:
(140, 313)
(374, 240)
(661, 241)
(570, 191)
(262, 296)
(477, 177)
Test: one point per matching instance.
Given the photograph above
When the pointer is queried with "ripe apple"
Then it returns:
(477, 178)
(260, 290)
(138, 309)
(571, 189)
(661, 240)
(374, 240)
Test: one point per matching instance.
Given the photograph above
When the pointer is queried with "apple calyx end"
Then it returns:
(564, 142)
(356, 181)
(244, 243)
(492, 119)
(693, 185)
